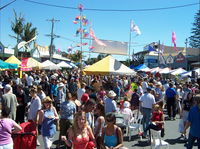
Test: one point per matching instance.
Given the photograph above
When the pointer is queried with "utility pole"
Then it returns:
(53, 36)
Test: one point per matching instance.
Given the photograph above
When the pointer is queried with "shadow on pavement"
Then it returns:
(142, 143)
(176, 140)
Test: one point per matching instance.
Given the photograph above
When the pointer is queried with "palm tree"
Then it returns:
(17, 28)
(24, 32)
(28, 32)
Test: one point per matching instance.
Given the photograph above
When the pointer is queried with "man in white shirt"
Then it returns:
(29, 80)
(81, 91)
(147, 101)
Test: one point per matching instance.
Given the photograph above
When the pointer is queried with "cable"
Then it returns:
(7, 4)
(114, 10)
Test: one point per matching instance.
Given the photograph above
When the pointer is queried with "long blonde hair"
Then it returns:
(77, 116)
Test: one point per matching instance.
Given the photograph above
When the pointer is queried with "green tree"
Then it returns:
(195, 37)
(24, 32)
(28, 32)
(76, 57)
(17, 26)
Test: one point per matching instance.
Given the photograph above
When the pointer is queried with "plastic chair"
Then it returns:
(135, 125)
(127, 120)
(156, 141)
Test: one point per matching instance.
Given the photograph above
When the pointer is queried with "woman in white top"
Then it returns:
(100, 121)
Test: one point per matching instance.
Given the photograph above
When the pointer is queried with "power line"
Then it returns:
(7, 4)
(114, 10)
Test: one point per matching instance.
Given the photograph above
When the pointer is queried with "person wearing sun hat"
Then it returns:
(47, 117)
(110, 103)
(60, 96)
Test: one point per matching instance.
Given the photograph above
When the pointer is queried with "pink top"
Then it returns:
(80, 142)
(5, 136)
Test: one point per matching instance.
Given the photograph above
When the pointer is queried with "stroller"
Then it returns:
(25, 139)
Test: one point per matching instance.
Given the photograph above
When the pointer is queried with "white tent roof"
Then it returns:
(177, 71)
(155, 70)
(147, 69)
(64, 65)
(48, 65)
(165, 70)
(189, 73)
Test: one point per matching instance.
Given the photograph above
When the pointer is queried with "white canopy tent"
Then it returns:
(155, 70)
(165, 70)
(147, 69)
(177, 71)
(189, 73)
(64, 65)
(48, 65)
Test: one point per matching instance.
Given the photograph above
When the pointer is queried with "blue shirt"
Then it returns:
(48, 124)
(171, 92)
(67, 110)
(54, 90)
(194, 119)
(110, 105)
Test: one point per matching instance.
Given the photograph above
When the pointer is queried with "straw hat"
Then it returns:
(111, 93)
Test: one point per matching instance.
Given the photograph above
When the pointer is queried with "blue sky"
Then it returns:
(154, 25)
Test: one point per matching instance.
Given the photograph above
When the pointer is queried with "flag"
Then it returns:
(174, 40)
(135, 28)
(162, 49)
(92, 33)
(150, 48)
(99, 42)
(80, 7)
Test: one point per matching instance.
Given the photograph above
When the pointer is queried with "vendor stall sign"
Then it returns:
(180, 58)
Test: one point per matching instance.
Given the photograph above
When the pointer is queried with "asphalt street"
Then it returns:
(172, 136)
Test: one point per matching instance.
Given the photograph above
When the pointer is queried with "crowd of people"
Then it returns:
(83, 108)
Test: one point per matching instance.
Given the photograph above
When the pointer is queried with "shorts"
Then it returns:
(185, 115)
(47, 141)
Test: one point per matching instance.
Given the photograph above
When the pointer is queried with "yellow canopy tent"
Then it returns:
(108, 66)
(13, 60)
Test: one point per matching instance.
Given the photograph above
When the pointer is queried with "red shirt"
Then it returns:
(157, 116)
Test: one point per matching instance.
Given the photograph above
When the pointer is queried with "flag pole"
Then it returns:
(129, 47)
(158, 53)
(81, 39)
